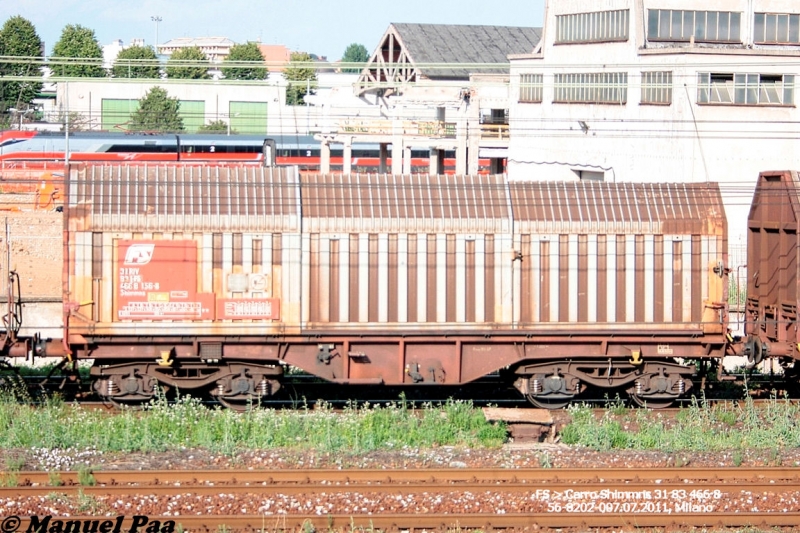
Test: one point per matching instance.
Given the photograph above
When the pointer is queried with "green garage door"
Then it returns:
(249, 117)
(116, 113)
(193, 113)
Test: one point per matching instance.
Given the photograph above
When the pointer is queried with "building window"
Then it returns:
(702, 26)
(776, 28)
(745, 89)
(592, 88)
(657, 88)
(530, 88)
(599, 26)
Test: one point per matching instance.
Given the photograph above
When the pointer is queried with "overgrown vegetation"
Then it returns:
(187, 423)
(737, 293)
(700, 427)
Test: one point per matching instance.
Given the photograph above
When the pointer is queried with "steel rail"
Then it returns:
(429, 475)
(416, 487)
(442, 522)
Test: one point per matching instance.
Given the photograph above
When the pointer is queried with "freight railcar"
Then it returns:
(217, 278)
(773, 294)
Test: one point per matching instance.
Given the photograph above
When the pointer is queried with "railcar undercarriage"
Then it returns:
(654, 384)
(233, 384)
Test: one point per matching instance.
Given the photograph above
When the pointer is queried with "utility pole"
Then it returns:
(156, 19)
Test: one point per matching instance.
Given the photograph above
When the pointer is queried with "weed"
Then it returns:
(54, 479)
(738, 458)
(87, 504)
(726, 416)
(14, 463)
(9, 479)
(699, 427)
(775, 457)
(56, 497)
(85, 477)
(545, 461)
(617, 406)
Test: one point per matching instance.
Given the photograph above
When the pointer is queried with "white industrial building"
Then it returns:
(657, 90)
(618, 90)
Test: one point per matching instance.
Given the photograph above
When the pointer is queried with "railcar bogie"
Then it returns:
(652, 382)
(233, 384)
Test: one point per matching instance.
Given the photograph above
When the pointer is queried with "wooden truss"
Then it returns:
(389, 68)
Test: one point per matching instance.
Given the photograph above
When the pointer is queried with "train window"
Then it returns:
(220, 149)
(142, 148)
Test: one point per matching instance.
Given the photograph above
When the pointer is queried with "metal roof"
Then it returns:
(201, 42)
(419, 202)
(183, 198)
(464, 44)
(597, 207)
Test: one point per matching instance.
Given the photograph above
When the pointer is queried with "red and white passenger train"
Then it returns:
(31, 149)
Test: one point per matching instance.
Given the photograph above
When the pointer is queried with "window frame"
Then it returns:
(533, 88)
(606, 88)
(593, 27)
(657, 87)
(674, 25)
(745, 89)
(762, 32)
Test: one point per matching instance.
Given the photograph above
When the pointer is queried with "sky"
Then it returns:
(321, 27)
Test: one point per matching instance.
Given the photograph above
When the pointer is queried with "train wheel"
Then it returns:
(554, 391)
(244, 391)
(131, 390)
(238, 405)
(659, 386)
(135, 405)
(548, 403)
(652, 403)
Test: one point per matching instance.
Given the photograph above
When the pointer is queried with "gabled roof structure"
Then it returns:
(409, 53)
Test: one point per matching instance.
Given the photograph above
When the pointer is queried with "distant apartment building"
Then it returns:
(112, 50)
(277, 56)
(216, 49)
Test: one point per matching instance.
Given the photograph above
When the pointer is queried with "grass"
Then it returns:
(54, 479)
(699, 427)
(187, 423)
(43, 370)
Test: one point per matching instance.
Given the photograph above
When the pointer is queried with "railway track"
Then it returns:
(303, 391)
(415, 499)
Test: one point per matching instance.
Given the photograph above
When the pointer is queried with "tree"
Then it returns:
(215, 126)
(76, 121)
(18, 38)
(245, 62)
(188, 63)
(78, 54)
(302, 78)
(136, 62)
(355, 53)
(157, 112)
